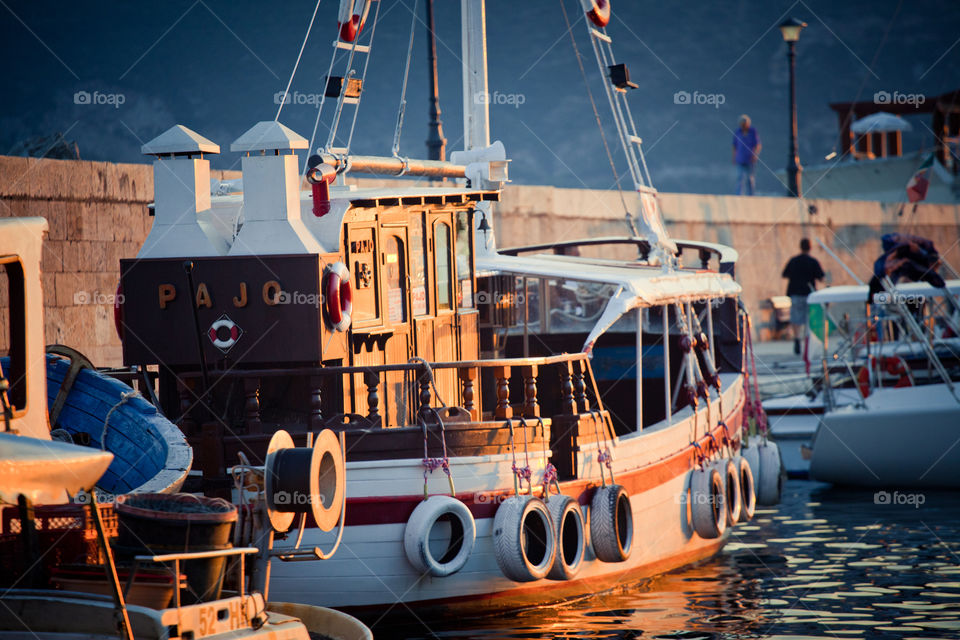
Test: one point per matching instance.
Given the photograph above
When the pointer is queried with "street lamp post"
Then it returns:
(791, 33)
(436, 143)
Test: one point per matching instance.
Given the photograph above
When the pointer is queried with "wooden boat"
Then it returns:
(489, 465)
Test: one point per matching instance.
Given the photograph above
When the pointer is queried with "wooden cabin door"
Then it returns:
(399, 390)
(445, 343)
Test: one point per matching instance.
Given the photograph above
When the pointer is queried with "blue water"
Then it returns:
(825, 563)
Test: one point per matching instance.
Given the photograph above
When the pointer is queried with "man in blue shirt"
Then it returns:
(746, 148)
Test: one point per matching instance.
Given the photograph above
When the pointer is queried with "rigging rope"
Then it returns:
(403, 91)
(596, 115)
(297, 63)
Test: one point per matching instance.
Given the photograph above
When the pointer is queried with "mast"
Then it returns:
(476, 112)
(436, 143)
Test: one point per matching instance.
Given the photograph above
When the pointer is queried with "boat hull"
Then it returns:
(370, 572)
(904, 438)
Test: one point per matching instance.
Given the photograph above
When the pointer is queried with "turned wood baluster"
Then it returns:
(372, 380)
(251, 418)
(503, 409)
(530, 391)
(316, 400)
(580, 389)
(467, 376)
(424, 381)
(567, 402)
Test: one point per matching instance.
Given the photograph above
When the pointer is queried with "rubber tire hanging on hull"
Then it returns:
(748, 490)
(416, 536)
(770, 483)
(732, 495)
(708, 505)
(570, 532)
(611, 523)
(523, 539)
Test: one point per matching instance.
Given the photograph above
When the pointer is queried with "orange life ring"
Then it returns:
(353, 15)
(339, 295)
(863, 379)
(598, 11)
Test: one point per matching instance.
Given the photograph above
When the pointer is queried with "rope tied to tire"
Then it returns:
(525, 472)
(699, 455)
(432, 464)
(604, 456)
(549, 471)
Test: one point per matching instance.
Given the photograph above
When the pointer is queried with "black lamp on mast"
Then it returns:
(790, 29)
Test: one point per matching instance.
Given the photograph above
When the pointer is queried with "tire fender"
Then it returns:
(416, 536)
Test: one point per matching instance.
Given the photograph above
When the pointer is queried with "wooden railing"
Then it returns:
(517, 386)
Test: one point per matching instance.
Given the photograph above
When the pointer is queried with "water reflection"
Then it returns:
(826, 563)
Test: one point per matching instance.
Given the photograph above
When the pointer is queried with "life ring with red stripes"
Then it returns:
(863, 379)
(897, 366)
(214, 333)
(353, 15)
(598, 11)
(339, 295)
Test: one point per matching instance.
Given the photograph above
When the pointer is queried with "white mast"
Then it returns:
(476, 111)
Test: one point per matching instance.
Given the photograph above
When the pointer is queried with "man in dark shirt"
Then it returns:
(802, 273)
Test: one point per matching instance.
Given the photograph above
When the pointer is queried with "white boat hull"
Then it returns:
(370, 570)
(904, 438)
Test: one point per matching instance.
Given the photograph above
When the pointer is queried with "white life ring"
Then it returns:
(770, 482)
(352, 17)
(598, 11)
(339, 296)
(707, 504)
(570, 532)
(611, 523)
(731, 485)
(421, 526)
(748, 491)
(224, 323)
(523, 539)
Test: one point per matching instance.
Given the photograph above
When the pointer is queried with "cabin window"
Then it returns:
(418, 278)
(395, 266)
(14, 333)
(464, 261)
(441, 249)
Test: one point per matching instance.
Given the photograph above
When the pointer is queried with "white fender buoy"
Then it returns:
(748, 492)
(570, 532)
(770, 481)
(707, 504)
(328, 480)
(421, 527)
(731, 485)
(523, 539)
(611, 523)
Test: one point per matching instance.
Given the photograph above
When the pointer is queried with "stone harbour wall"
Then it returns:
(97, 213)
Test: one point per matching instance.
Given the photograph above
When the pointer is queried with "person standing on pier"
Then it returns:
(802, 272)
(746, 149)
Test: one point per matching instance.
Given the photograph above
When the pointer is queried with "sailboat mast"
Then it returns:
(476, 112)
